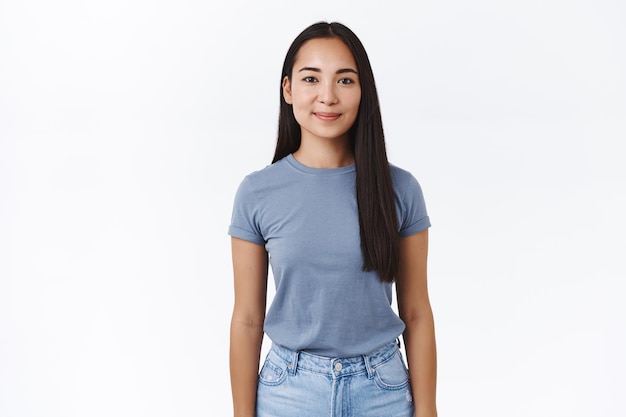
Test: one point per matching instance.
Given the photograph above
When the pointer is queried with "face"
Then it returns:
(324, 89)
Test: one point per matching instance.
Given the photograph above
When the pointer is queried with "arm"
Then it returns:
(419, 335)
(250, 265)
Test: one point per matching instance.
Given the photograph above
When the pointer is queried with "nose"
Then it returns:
(327, 94)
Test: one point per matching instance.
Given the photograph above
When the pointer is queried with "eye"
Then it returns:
(309, 79)
(346, 81)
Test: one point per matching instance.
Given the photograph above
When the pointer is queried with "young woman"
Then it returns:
(339, 225)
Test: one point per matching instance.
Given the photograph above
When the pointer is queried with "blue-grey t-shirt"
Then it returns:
(307, 219)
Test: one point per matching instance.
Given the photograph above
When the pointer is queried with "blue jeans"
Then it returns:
(298, 384)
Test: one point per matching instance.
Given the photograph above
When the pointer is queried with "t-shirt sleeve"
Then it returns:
(244, 222)
(413, 215)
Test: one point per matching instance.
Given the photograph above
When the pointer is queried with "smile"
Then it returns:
(327, 116)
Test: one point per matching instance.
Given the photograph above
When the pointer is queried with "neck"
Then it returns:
(334, 153)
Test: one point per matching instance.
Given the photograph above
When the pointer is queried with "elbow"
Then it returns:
(417, 317)
(248, 321)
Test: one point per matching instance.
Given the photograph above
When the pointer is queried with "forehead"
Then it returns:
(324, 53)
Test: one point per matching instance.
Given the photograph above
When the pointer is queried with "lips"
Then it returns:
(327, 116)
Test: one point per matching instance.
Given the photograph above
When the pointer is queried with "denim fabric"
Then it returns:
(299, 384)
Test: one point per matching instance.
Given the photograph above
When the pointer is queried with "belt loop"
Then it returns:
(291, 368)
(370, 370)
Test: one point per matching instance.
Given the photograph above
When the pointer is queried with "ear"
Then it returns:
(287, 90)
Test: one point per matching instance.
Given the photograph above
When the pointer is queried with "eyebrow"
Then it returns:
(340, 71)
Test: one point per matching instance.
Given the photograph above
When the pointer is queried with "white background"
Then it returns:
(126, 126)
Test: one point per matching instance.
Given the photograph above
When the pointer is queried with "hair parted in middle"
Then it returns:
(378, 220)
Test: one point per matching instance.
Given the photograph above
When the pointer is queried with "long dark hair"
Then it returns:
(378, 220)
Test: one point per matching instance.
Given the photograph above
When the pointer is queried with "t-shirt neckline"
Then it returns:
(318, 171)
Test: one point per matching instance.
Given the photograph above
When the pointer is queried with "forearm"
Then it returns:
(245, 349)
(420, 346)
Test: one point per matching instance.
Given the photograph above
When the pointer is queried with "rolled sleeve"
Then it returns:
(245, 215)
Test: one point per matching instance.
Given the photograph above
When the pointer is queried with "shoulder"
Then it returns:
(399, 174)
(267, 176)
(402, 179)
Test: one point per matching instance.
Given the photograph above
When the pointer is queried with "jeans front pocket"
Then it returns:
(392, 374)
(274, 370)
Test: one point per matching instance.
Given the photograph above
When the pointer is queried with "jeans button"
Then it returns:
(338, 366)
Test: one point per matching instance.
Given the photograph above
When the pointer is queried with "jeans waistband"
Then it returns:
(335, 367)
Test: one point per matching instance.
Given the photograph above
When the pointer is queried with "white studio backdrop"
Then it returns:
(126, 126)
